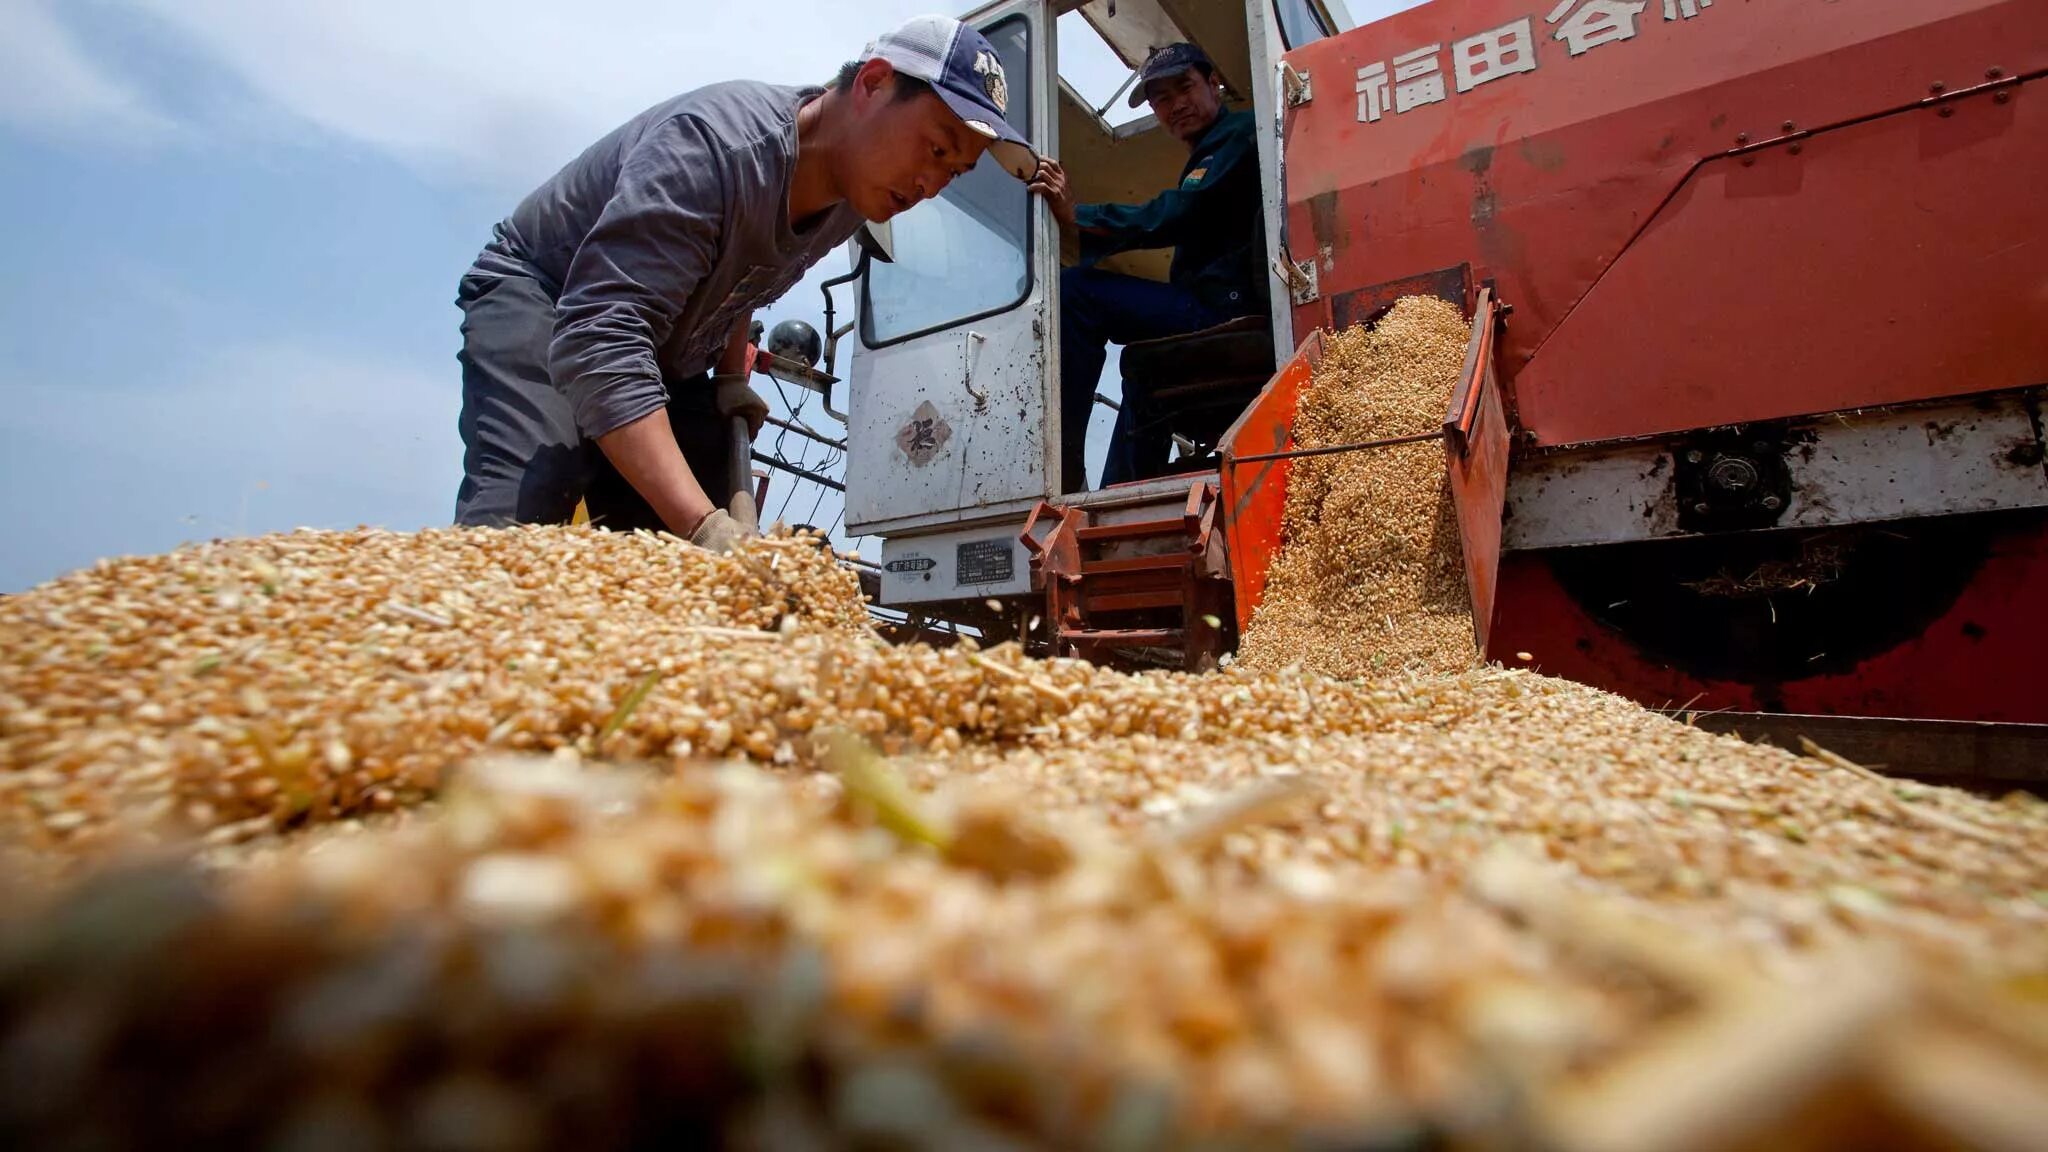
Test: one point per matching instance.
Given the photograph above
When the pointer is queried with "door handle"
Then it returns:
(967, 344)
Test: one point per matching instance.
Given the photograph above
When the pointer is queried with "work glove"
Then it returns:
(741, 509)
(736, 398)
(724, 528)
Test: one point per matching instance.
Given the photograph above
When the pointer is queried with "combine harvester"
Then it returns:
(1750, 422)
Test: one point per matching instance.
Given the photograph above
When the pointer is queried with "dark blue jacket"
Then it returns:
(1213, 220)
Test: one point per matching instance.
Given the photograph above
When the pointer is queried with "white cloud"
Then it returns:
(503, 93)
(274, 410)
(492, 92)
(50, 87)
(259, 437)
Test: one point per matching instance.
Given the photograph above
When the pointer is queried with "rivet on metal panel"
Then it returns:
(1946, 110)
(2000, 97)
(1993, 73)
(1742, 137)
(1786, 126)
(1937, 88)
(1796, 149)
(1749, 161)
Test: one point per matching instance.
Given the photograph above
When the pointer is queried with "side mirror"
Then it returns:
(796, 341)
(876, 239)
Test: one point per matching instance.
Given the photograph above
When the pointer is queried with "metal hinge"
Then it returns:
(1300, 276)
(1295, 89)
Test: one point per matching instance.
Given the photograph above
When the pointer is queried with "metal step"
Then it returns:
(1132, 530)
(1166, 562)
(1134, 601)
(1124, 637)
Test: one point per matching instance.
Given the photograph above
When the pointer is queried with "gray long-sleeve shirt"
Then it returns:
(657, 239)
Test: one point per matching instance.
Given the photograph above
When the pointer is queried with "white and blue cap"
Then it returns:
(965, 71)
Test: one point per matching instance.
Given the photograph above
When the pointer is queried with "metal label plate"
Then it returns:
(985, 562)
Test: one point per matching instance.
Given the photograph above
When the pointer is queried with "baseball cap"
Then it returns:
(963, 68)
(1171, 60)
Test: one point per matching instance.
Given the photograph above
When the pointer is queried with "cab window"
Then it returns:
(966, 253)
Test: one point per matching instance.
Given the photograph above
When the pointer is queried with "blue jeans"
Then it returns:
(1098, 309)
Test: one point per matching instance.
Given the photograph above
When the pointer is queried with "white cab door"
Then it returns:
(954, 409)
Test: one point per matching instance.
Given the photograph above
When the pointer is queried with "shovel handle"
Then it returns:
(739, 470)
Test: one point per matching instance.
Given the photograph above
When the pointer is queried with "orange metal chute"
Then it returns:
(1475, 436)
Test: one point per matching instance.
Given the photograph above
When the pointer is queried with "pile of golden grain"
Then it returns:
(1370, 579)
(835, 893)
(233, 688)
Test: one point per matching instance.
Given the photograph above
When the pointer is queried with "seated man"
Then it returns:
(1213, 221)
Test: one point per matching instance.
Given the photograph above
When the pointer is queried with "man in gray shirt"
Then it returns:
(594, 318)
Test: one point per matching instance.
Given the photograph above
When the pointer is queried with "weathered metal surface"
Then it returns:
(949, 423)
(964, 564)
(1660, 284)
(1949, 626)
(1255, 493)
(1364, 305)
(1476, 460)
(1163, 491)
(1135, 28)
(1977, 455)
(1987, 757)
(1807, 313)
(1602, 495)
(1266, 46)
(963, 422)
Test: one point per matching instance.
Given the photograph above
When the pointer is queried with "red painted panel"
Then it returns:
(1476, 455)
(1541, 180)
(1892, 261)
(1255, 494)
(1977, 660)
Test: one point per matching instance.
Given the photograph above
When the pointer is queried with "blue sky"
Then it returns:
(235, 229)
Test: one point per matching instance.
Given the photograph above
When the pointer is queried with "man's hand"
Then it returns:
(718, 532)
(645, 453)
(723, 530)
(1050, 181)
(736, 398)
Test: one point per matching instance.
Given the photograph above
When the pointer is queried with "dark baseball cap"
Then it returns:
(1171, 60)
(964, 69)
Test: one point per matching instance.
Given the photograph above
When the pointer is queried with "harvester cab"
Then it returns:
(955, 429)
